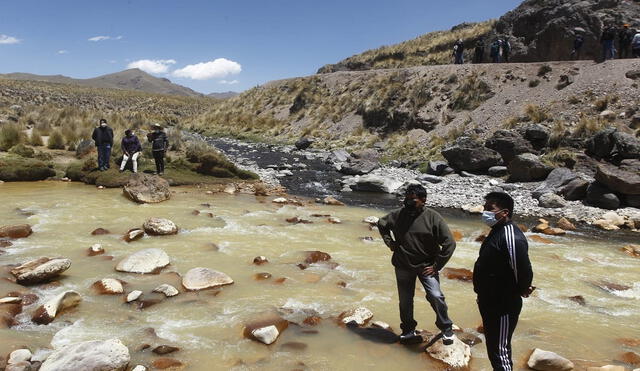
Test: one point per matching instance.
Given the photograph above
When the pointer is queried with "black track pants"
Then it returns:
(158, 156)
(499, 324)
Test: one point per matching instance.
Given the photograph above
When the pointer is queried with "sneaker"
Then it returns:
(448, 336)
(410, 337)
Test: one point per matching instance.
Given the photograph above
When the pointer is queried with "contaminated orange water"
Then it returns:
(208, 327)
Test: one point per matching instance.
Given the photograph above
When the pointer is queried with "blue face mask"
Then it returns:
(489, 218)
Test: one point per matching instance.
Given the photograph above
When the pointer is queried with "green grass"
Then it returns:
(15, 168)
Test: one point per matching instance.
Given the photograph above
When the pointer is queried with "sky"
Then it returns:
(214, 46)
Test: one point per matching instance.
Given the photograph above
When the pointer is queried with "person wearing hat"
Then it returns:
(159, 146)
(625, 36)
(103, 138)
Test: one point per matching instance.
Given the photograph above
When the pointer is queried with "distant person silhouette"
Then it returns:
(578, 41)
(506, 50)
(458, 52)
(495, 51)
(607, 40)
(625, 36)
(478, 53)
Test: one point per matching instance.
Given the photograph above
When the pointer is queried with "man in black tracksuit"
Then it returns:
(502, 275)
(159, 146)
(422, 244)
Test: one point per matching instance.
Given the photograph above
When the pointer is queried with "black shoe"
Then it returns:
(410, 337)
(448, 336)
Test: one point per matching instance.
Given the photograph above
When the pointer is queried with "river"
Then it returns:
(208, 327)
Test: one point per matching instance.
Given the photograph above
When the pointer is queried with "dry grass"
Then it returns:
(471, 93)
(535, 113)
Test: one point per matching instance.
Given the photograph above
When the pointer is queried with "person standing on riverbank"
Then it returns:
(502, 276)
(159, 146)
(422, 244)
(103, 138)
(131, 149)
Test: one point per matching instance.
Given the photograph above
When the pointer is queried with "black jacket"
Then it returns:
(503, 270)
(102, 136)
(424, 239)
(158, 140)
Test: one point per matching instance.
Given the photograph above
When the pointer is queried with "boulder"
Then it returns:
(430, 178)
(600, 196)
(265, 331)
(93, 355)
(527, 167)
(8, 312)
(509, 144)
(360, 316)
(144, 261)
(470, 155)
(543, 360)
(618, 179)
(536, 134)
(259, 260)
(160, 227)
(376, 183)
(165, 349)
(47, 312)
(551, 201)
(330, 200)
(205, 278)
(167, 290)
(455, 356)
(15, 231)
(601, 144)
(143, 188)
(304, 143)
(575, 189)
(565, 224)
(633, 74)
(632, 201)
(19, 355)
(84, 147)
(95, 249)
(613, 218)
(562, 181)
(40, 270)
(133, 296)
(439, 168)
(498, 171)
(108, 286)
(626, 146)
(133, 235)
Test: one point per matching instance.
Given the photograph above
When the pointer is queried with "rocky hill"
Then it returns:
(538, 30)
(223, 95)
(131, 79)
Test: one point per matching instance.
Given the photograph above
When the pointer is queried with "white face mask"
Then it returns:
(489, 218)
(104, 125)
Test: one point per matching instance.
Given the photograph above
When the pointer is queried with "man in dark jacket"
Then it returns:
(422, 244)
(624, 41)
(502, 275)
(103, 138)
(458, 52)
(131, 149)
(578, 41)
(159, 146)
(478, 55)
(607, 40)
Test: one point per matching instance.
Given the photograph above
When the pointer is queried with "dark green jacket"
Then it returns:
(421, 240)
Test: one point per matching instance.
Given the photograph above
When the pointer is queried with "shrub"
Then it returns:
(602, 104)
(544, 69)
(10, 135)
(15, 169)
(22, 151)
(511, 122)
(43, 156)
(36, 138)
(535, 113)
(534, 83)
(588, 126)
(471, 92)
(56, 140)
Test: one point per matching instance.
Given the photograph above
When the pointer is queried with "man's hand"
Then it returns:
(430, 270)
(528, 291)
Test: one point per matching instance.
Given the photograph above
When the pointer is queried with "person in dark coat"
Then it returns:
(506, 50)
(103, 138)
(495, 51)
(458, 52)
(478, 54)
(578, 41)
(422, 244)
(131, 149)
(624, 41)
(607, 41)
(502, 276)
(159, 146)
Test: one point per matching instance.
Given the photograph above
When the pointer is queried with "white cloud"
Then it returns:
(102, 38)
(217, 68)
(63, 52)
(6, 39)
(227, 82)
(152, 66)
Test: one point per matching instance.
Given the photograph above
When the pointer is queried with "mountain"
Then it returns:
(131, 79)
(223, 95)
(538, 31)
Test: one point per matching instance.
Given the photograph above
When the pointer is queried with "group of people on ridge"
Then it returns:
(628, 42)
(499, 51)
(130, 145)
(422, 244)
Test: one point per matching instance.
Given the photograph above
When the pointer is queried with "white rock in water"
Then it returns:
(359, 315)
(20, 355)
(47, 312)
(266, 335)
(456, 355)
(160, 227)
(144, 261)
(373, 220)
(96, 249)
(11, 300)
(543, 360)
(40, 270)
(109, 286)
(230, 189)
(93, 355)
(134, 295)
(167, 290)
(204, 278)
(139, 368)
(380, 324)
(280, 200)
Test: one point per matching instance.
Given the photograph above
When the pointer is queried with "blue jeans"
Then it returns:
(607, 49)
(406, 280)
(104, 154)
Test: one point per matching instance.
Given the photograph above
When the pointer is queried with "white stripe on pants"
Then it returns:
(134, 160)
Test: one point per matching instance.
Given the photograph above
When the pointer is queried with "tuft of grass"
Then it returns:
(533, 83)
(22, 151)
(535, 113)
(36, 139)
(10, 135)
(588, 126)
(602, 103)
(470, 94)
(544, 69)
(511, 122)
(205, 160)
(56, 140)
(573, 100)
(560, 157)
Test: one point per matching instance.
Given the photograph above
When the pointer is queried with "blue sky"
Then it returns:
(213, 46)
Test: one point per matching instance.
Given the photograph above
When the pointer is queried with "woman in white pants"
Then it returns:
(131, 149)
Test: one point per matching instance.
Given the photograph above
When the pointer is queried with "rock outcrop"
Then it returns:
(143, 188)
(40, 270)
(467, 154)
(93, 355)
(528, 167)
